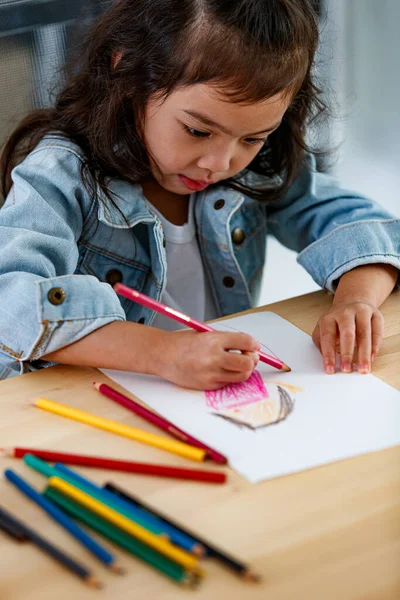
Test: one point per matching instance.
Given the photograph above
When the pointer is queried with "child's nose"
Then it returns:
(217, 161)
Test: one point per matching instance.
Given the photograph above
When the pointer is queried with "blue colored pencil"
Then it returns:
(62, 519)
(177, 537)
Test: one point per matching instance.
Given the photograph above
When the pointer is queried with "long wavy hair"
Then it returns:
(249, 50)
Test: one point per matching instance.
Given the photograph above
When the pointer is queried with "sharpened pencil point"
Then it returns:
(117, 569)
(195, 579)
(199, 550)
(285, 368)
(9, 452)
(250, 576)
(96, 385)
(93, 582)
(191, 581)
(198, 573)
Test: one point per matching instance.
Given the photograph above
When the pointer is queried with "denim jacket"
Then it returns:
(60, 250)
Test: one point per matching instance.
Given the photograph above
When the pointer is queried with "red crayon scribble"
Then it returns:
(238, 394)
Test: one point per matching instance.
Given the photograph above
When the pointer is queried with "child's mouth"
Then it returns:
(193, 184)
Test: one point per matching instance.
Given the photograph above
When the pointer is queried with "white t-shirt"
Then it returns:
(188, 289)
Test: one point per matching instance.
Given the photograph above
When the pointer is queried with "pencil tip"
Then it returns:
(285, 368)
(192, 580)
(117, 569)
(250, 576)
(96, 385)
(93, 582)
(6, 452)
(199, 550)
(198, 574)
(220, 460)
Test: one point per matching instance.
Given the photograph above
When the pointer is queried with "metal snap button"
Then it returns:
(228, 282)
(114, 276)
(219, 204)
(238, 236)
(56, 296)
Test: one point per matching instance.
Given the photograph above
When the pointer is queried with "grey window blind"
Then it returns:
(36, 38)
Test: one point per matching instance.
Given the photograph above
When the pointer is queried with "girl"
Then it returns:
(178, 143)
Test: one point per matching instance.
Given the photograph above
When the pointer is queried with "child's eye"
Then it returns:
(196, 133)
(255, 141)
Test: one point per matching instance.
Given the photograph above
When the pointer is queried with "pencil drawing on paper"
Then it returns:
(254, 403)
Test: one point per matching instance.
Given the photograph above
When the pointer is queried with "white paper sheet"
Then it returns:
(335, 417)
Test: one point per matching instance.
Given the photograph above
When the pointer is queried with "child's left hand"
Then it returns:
(354, 329)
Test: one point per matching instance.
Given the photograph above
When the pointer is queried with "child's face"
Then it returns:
(187, 153)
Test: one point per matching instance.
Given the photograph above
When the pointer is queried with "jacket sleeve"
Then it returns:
(334, 230)
(43, 305)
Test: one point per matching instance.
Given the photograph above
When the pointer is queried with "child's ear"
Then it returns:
(115, 58)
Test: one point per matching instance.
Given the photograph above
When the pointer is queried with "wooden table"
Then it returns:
(330, 533)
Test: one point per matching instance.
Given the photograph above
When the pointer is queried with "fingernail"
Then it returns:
(346, 366)
(329, 368)
(363, 367)
(373, 357)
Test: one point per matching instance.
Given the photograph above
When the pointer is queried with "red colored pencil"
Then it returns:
(160, 422)
(163, 309)
(117, 465)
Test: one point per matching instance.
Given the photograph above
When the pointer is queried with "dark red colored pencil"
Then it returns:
(118, 465)
(158, 421)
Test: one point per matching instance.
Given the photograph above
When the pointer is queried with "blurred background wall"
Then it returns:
(357, 65)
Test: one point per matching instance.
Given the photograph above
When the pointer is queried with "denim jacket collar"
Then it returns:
(131, 206)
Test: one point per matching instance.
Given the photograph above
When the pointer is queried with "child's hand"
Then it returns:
(354, 330)
(203, 361)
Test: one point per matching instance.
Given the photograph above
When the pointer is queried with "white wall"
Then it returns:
(361, 51)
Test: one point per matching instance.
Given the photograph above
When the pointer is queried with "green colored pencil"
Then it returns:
(45, 469)
(122, 539)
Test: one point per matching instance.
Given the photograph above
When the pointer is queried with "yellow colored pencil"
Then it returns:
(133, 433)
(141, 533)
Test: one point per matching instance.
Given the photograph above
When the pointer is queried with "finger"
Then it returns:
(238, 362)
(239, 341)
(364, 341)
(316, 338)
(328, 334)
(226, 376)
(377, 325)
(255, 358)
(347, 335)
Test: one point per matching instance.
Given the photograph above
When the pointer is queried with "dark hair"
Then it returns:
(248, 49)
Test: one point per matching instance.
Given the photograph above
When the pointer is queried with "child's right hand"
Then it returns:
(203, 361)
